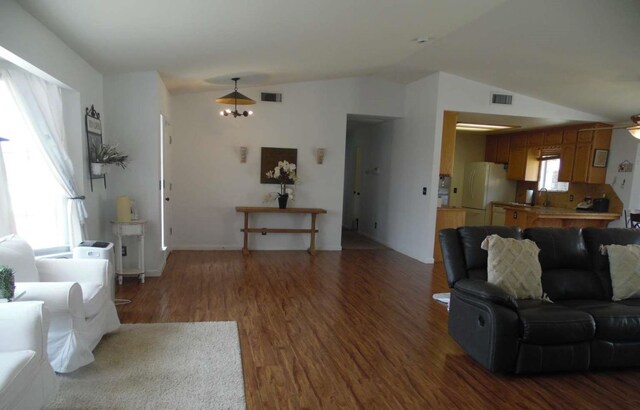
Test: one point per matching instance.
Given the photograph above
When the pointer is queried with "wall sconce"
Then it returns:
(320, 155)
(243, 154)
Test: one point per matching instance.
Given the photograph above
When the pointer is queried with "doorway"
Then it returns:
(364, 204)
(166, 186)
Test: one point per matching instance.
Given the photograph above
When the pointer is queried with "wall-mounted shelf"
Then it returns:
(93, 125)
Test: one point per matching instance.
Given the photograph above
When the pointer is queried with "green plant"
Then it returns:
(7, 283)
(108, 154)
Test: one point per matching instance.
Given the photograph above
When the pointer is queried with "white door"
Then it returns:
(166, 186)
(356, 188)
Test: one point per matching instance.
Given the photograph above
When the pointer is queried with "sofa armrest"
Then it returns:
(452, 256)
(486, 291)
(25, 326)
(58, 297)
(74, 270)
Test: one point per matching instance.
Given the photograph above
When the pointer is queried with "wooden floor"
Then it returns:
(350, 329)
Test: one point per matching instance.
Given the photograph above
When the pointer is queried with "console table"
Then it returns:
(314, 212)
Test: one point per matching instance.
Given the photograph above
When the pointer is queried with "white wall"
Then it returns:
(25, 42)
(209, 181)
(624, 147)
(134, 103)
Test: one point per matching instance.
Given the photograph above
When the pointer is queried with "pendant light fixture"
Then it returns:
(236, 99)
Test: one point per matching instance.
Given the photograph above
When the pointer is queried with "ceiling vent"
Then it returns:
(505, 99)
(271, 97)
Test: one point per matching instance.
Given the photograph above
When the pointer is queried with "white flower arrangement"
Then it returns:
(284, 173)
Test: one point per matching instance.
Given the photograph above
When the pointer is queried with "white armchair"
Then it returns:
(76, 293)
(27, 380)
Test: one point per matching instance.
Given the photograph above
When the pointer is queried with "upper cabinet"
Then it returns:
(448, 149)
(577, 147)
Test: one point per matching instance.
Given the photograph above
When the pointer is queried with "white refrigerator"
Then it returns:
(484, 182)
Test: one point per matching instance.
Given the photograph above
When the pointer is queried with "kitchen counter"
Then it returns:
(526, 216)
(446, 217)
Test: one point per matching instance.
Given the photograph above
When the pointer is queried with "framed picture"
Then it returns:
(94, 125)
(600, 158)
(270, 158)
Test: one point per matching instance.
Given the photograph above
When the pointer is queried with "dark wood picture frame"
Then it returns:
(269, 159)
(600, 158)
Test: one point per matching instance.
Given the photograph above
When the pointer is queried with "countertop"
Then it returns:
(449, 208)
(553, 212)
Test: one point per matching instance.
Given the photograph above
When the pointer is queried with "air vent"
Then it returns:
(272, 97)
(505, 99)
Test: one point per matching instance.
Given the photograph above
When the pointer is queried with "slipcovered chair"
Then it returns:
(76, 293)
(27, 380)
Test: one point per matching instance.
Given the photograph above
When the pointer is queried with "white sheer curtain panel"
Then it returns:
(41, 102)
(7, 221)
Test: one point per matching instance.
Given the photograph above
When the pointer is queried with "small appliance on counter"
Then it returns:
(600, 205)
(586, 205)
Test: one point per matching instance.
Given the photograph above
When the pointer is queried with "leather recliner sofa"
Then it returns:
(582, 329)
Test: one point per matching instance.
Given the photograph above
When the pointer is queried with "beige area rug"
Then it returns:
(160, 366)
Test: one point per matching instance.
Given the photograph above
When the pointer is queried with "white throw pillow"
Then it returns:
(513, 266)
(16, 254)
(624, 265)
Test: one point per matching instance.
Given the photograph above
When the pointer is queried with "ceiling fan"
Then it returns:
(634, 129)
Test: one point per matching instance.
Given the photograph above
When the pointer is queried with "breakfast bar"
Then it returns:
(314, 212)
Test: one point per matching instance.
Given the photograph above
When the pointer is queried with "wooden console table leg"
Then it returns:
(245, 248)
(312, 244)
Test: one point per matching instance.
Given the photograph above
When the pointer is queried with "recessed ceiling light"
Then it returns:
(466, 126)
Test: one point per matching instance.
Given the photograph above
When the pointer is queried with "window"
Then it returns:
(549, 169)
(39, 203)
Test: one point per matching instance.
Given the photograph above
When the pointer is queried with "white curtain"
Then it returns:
(7, 221)
(41, 102)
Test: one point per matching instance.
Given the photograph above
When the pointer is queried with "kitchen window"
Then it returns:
(548, 179)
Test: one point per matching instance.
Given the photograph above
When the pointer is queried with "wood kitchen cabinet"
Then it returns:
(491, 148)
(536, 138)
(581, 162)
(553, 136)
(523, 165)
(502, 151)
(583, 169)
(567, 155)
(446, 218)
(497, 148)
(448, 148)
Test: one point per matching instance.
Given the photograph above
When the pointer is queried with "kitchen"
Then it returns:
(524, 172)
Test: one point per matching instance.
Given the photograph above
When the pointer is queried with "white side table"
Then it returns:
(133, 228)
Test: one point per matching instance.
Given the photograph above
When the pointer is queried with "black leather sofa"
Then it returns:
(583, 329)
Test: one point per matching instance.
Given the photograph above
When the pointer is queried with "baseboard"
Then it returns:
(206, 248)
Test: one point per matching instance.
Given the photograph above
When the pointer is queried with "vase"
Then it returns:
(282, 200)
(98, 169)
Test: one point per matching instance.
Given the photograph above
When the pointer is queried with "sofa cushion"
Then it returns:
(18, 255)
(624, 266)
(563, 284)
(93, 297)
(513, 266)
(594, 238)
(566, 264)
(615, 322)
(16, 373)
(560, 248)
(545, 323)
(472, 236)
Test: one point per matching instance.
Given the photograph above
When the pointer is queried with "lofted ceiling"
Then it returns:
(584, 54)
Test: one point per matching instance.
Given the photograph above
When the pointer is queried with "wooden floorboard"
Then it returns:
(350, 329)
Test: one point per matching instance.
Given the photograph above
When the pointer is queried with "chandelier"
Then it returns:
(236, 99)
